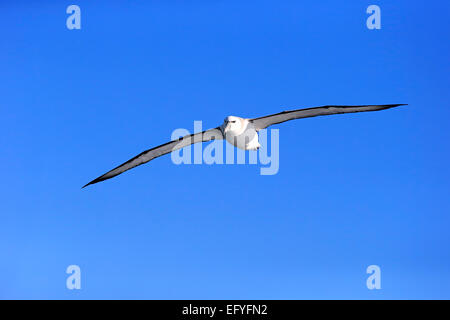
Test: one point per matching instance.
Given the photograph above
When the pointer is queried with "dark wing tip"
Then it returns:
(395, 105)
(389, 106)
(383, 106)
(87, 184)
(99, 179)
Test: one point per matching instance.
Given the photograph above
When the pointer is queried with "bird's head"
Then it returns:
(232, 124)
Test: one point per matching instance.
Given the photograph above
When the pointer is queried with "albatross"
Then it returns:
(240, 132)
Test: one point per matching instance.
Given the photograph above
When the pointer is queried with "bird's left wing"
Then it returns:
(146, 156)
(264, 122)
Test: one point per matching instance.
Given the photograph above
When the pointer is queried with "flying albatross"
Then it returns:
(240, 132)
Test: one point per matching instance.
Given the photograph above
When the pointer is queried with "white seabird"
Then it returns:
(240, 132)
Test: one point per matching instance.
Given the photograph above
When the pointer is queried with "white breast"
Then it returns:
(246, 138)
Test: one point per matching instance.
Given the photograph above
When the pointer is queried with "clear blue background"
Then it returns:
(352, 190)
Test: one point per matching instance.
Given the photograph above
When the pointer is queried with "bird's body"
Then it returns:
(240, 132)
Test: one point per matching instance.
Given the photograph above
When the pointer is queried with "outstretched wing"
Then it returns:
(146, 156)
(264, 122)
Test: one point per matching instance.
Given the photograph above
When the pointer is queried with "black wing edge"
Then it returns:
(385, 106)
(103, 178)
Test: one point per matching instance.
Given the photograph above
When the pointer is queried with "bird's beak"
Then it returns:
(224, 127)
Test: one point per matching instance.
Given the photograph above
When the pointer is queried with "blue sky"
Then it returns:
(352, 190)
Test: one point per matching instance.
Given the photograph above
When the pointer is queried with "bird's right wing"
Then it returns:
(264, 122)
(146, 156)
